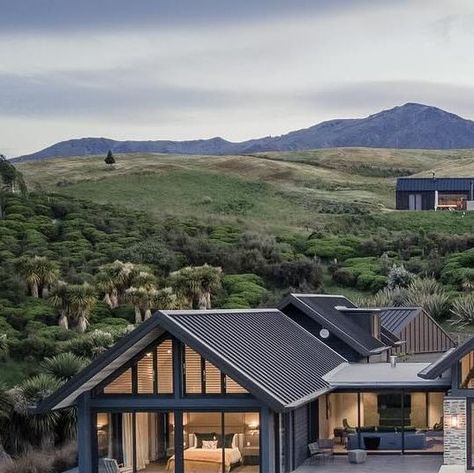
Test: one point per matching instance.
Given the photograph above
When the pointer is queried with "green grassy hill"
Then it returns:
(274, 222)
(297, 190)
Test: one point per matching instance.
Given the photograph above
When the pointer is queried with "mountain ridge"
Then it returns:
(408, 126)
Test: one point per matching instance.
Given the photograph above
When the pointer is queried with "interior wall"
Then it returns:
(435, 410)
(369, 410)
(341, 406)
(202, 422)
(418, 410)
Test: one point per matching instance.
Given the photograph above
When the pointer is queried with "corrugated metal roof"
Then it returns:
(382, 375)
(103, 366)
(449, 358)
(396, 318)
(277, 360)
(442, 184)
(265, 351)
(322, 308)
(388, 337)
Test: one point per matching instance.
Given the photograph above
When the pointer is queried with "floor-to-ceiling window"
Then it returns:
(383, 421)
(142, 441)
(218, 442)
(212, 442)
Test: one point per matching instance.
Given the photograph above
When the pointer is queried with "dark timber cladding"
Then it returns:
(263, 350)
(422, 191)
(417, 329)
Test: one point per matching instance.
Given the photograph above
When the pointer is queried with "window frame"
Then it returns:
(133, 365)
(203, 392)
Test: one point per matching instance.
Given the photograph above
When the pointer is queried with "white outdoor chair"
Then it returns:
(111, 466)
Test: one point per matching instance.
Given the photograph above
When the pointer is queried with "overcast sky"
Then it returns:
(185, 69)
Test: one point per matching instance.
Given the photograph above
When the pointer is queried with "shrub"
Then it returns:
(463, 311)
(89, 345)
(386, 298)
(330, 248)
(32, 347)
(31, 462)
(437, 305)
(345, 277)
(246, 290)
(398, 276)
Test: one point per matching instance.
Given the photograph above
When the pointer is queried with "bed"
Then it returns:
(208, 460)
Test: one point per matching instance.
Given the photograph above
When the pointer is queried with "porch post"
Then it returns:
(85, 434)
(265, 441)
(178, 441)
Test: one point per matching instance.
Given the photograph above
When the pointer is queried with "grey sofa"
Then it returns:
(389, 440)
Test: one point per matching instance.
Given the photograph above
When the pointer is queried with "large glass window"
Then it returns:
(216, 442)
(202, 377)
(142, 441)
(120, 385)
(466, 371)
(153, 371)
(383, 421)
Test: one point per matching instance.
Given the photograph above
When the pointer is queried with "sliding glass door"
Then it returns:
(208, 442)
(383, 421)
(216, 442)
(142, 441)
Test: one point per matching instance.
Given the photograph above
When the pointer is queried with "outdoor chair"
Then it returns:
(327, 447)
(111, 466)
(316, 453)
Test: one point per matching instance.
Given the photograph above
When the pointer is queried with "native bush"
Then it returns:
(463, 311)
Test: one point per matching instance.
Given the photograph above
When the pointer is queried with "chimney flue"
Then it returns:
(393, 361)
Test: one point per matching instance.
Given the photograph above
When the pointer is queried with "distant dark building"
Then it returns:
(435, 193)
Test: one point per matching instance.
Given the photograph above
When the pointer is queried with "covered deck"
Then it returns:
(377, 464)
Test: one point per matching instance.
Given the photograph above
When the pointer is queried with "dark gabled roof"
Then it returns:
(396, 318)
(449, 358)
(442, 184)
(322, 308)
(265, 351)
(103, 366)
(388, 337)
(274, 358)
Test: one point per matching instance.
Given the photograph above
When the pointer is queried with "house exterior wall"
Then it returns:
(300, 435)
(423, 335)
(427, 200)
(455, 436)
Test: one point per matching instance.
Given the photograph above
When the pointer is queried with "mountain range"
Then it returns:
(410, 126)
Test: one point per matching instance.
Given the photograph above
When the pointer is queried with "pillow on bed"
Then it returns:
(205, 436)
(228, 441)
(209, 444)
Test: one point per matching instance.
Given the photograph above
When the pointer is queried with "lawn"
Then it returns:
(277, 192)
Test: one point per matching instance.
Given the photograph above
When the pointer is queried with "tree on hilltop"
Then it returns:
(109, 159)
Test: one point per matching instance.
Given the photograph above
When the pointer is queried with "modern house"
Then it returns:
(248, 390)
(452, 193)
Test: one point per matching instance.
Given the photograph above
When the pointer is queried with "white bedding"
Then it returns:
(207, 461)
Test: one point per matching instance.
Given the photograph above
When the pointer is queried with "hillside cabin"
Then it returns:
(436, 193)
(247, 391)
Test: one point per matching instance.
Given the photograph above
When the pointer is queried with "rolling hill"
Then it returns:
(275, 191)
(410, 126)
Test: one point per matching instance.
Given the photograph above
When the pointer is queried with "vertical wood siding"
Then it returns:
(423, 335)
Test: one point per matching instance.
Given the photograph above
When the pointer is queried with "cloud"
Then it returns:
(181, 69)
(61, 15)
(370, 96)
